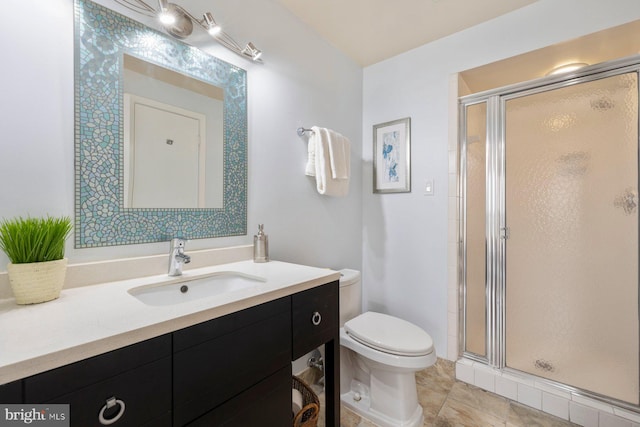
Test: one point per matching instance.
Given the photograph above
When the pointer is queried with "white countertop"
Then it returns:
(91, 320)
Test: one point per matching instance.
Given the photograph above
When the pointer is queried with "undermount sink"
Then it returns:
(184, 289)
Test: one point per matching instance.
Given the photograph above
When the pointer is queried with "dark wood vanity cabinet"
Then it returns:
(231, 371)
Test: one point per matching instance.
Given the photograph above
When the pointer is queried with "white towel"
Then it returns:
(339, 153)
(310, 170)
(332, 156)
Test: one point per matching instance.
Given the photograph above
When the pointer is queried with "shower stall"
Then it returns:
(549, 231)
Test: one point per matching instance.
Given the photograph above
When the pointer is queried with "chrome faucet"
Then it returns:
(177, 257)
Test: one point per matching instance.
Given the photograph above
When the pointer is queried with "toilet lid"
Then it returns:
(389, 334)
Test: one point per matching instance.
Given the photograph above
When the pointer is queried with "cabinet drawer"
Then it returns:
(268, 403)
(145, 392)
(67, 379)
(210, 373)
(315, 316)
(215, 328)
(11, 392)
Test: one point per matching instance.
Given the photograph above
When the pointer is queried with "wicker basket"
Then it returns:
(308, 415)
(37, 282)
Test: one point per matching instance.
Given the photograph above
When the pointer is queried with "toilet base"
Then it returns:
(360, 403)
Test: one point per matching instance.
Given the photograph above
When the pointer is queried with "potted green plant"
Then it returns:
(35, 247)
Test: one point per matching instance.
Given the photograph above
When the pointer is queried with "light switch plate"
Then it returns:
(428, 188)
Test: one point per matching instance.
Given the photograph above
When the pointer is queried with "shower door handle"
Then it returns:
(505, 233)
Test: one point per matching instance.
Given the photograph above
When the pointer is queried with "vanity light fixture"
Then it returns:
(178, 22)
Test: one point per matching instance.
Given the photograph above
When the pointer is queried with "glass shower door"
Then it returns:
(571, 195)
(475, 241)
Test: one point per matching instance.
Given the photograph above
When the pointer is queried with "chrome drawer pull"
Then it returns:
(111, 402)
(316, 318)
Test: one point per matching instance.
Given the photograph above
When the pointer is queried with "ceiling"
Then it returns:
(371, 31)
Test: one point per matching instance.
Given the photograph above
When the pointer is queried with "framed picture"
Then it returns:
(392, 156)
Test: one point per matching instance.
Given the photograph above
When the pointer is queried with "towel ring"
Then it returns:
(301, 131)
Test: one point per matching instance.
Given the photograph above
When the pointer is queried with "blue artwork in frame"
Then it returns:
(102, 38)
(392, 156)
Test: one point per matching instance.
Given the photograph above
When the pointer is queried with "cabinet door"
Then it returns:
(315, 318)
(11, 392)
(212, 372)
(268, 403)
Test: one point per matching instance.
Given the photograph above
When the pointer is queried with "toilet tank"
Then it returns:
(350, 295)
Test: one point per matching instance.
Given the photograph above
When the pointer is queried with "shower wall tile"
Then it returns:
(452, 323)
(452, 255)
(519, 378)
(464, 371)
(452, 231)
(555, 405)
(529, 396)
(484, 378)
(540, 385)
(506, 387)
(609, 420)
(452, 271)
(627, 415)
(452, 306)
(453, 161)
(602, 407)
(453, 207)
(583, 415)
(452, 348)
(453, 185)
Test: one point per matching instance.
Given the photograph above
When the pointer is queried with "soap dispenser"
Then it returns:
(260, 245)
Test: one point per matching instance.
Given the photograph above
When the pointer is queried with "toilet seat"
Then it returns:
(389, 334)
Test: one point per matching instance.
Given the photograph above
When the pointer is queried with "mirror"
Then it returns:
(138, 179)
(172, 122)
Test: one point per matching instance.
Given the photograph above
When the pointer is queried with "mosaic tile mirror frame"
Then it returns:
(102, 37)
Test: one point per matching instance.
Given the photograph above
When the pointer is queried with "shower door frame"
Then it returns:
(496, 231)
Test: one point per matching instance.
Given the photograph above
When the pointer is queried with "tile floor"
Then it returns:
(447, 402)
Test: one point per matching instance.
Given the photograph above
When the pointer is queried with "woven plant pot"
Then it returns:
(37, 282)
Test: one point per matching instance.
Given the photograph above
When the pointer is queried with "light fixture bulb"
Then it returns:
(167, 18)
(212, 27)
(251, 51)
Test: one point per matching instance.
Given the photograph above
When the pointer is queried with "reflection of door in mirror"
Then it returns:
(166, 116)
(166, 153)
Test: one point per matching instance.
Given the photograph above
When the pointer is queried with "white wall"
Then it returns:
(405, 246)
(303, 81)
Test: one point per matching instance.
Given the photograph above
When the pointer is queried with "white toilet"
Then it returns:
(379, 356)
